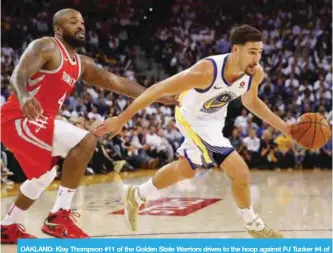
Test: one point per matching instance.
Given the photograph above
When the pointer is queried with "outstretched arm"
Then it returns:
(198, 76)
(95, 75)
(252, 102)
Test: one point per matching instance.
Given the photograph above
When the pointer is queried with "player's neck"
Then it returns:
(232, 71)
(70, 49)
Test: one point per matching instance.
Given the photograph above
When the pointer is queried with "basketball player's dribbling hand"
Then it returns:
(32, 109)
(111, 126)
(288, 130)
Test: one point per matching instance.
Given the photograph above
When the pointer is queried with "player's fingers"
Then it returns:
(40, 108)
(34, 112)
(31, 115)
(99, 127)
(28, 111)
(37, 108)
(101, 130)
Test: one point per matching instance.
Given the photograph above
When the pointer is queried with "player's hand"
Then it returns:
(169, 100)
(111, 126)
(287, 130)
(32, 109)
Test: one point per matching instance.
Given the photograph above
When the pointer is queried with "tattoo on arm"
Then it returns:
(34, 57)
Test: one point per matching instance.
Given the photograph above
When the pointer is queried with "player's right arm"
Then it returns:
(255, 105)
(37, 54)
(199, 76)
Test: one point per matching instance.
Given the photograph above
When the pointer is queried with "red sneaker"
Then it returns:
(11, 233)
(61, 224)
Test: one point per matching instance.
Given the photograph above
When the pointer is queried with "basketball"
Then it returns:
(311, 131)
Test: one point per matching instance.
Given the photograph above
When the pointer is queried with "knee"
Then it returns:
(33, 188)
(189, 173)
(186, 170)
(243, 176)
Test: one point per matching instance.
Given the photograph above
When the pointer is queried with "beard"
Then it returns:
(72, 41)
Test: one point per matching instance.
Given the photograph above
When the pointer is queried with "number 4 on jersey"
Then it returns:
(61, 100)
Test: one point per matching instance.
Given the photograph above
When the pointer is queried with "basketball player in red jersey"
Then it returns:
(43, 79)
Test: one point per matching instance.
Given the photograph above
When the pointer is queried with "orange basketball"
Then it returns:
(311, 131)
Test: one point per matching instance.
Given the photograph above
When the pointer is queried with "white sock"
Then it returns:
(147, 189)
(64, 199)
(12, 215)
(247, 214)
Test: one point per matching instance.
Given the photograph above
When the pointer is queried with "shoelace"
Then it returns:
(74, 215)
(269, 231)
(70, 216)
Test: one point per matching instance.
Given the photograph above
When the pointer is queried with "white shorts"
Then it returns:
(204, 144)
(66, 137)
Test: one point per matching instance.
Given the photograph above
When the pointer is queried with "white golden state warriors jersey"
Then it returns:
(211, 104)
(202, 114)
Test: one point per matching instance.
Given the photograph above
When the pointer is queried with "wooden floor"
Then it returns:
(298, 203)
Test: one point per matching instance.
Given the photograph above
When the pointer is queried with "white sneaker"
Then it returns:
(6, 181)
(258, 229)
(6, 172)
(132, 203)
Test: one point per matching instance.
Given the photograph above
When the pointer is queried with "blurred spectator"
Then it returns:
(284, 153)
(5, 172)
(267, 151)
(159, 146)
(252, 143)
(172, 134)
(235, 139)
(326, 155)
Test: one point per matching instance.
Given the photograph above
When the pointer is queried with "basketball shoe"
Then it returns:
(61, 224)
(11, 233)
(258, 229)
(132, 204)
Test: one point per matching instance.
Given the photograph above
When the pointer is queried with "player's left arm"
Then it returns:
(252, 102)
(97, 76)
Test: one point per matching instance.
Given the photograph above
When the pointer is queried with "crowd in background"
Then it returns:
(148, 41)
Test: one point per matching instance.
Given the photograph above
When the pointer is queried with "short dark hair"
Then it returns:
(241, 34)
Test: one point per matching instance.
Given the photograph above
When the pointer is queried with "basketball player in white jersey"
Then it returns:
(205, 90)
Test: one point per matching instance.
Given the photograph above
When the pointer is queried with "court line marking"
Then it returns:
(114, 176)
(211, 232)
(87, 180)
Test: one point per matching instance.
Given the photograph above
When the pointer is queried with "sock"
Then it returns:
(12, 215)
(247, 214)
(64, 199)
(147, 189)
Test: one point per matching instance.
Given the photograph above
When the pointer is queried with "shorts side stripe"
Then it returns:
(191, 134)
(26, 138)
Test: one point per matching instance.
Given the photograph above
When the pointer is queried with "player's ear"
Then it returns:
(57, 30)
(235, 48)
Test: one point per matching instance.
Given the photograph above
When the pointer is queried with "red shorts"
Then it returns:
(38, 145)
